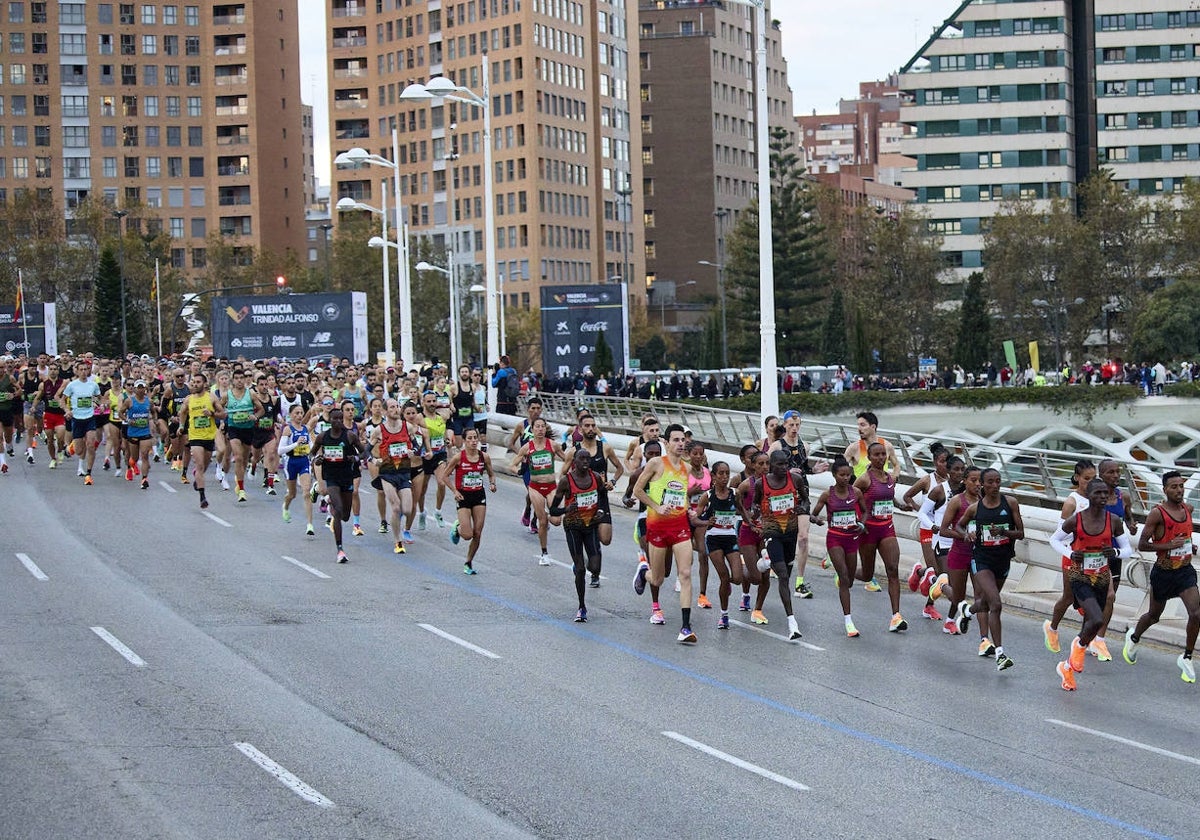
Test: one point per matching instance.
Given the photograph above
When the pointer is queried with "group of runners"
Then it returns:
(323, 432)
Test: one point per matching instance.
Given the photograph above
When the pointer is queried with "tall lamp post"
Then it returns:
(455, 343)
(626, 193)
(439, 87)
(346, 204)
(325, 228)
(353, 159)
(478, 292)
(120, 215)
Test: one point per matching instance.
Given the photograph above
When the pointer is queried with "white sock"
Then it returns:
(1000, 650)
(849, 620)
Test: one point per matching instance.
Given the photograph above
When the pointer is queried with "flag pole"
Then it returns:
(24, 307)
(158, 302)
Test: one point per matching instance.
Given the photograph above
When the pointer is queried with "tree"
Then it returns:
(1128, 251)
(653, 353)
(602, 361)
(107, 306)
(972, 346)
(1168, 327)
(833, 341)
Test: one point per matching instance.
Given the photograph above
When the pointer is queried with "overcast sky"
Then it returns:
(830, 48)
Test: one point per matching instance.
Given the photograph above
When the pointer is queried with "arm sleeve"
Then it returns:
(1060, 541)
(1124, 546)
(925, 514)
(286, 444)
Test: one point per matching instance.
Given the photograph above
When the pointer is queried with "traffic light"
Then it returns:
(281, 285)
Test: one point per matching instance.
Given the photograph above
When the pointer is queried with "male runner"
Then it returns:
(81, 394)
(798, 460)
(335, 450)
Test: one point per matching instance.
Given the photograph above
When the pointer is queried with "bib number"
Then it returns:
(1094, 562)
(335, 454)
(727, 521)
(883, 508)
(83, 402)
(300, 450)
(991, 535)
(587, 499)
(398, 450)
(472, 480)
(845, 520)
(783, 504)
(674, 497)
(203, 422)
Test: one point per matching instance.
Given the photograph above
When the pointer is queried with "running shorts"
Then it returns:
(666, 534)
(840, 539)
(80, 428)
(959, 558)
(1166, 584)
(1083, 587)
(297, 467)
(206, 445)
(472, 498)
(926, 536)
(242, 434)
(429, 465)
(998, 568)
(724, 544)
(546, 490)
(51, 420)
(781, 548)
(401, 480)
(877, 532)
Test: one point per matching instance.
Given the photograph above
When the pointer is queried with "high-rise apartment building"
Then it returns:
(1018, 98)
(698, 137)
(560, 78)
(170, 106)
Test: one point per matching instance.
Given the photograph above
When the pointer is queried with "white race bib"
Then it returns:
(883, 508)
(846, 520)
(1094, 561)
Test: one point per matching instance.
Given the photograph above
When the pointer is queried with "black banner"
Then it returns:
(315, 327)
(36, 332)
(573, 318)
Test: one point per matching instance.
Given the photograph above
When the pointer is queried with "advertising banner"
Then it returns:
(316, 327)
(36, 331)
(573, 318)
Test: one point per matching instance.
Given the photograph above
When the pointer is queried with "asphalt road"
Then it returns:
(395, 697)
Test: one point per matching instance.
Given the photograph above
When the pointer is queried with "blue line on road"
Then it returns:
(951, 766)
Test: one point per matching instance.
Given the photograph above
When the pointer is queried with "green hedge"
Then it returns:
(1078, 400)
(1183, 389)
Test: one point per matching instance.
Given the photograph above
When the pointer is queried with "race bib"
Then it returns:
(465, 412)
(472, 480)
(241, 418)
(782, 504)
(83, 402)
(694, 499)
(300, 450)
(138, 422)
(992, 535)
(541, 460)
(846, 520)
(727, 520)
(398, 450)
(1182, 553)
(1094, 562)
(203, 422)
(265, 422)
(674, 496)
(883, 508)
(437, 442)
(335, 453)
(587, 499)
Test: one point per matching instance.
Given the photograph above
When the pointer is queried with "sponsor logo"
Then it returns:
(283, 341)
(322, 338)
(11, 346)
(583, 348)
(593, 326)
(562, 350)
(561, 328)
(331, 311)
(250, 342)
(237, 315)
(237, 342)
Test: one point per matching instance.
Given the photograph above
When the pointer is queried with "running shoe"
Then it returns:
(129, 474)
(803, 591)
(4, 468)
(87, 480)
(986, 648)
(421, 521)
(757, 617)
(1004, 662)
(872, 585)
(407, 536)
(1078, 656)
(469, 570)
(399, 549)
(639, 578)
(203, 503)
(723, 622)
(935, 591)
(703, 603)
(825, 563)
(80, 471)
(107, 463)
(897, 624)
(1099, 649)
(313, 493)
(525, 519)
(851, 630)
(183, 479)
(686, 636)
(964, 616)
(1129, 652)
(793, 630)
(594, 583)
(145, 484)
(544, 560)
(454, 533)
(437, 518)
(914, 577)
(287, 514)
(271, 490)
(657, 617)
(581, 615)
(383, 526)
(341, 556)
(29, 456)
(745, 605)
(358, 531)
(329, 523)
(71, 450)
(950, 628)
(927, 582)
(241, 495)
(53, 464)
(309, 532)
(931, 613)
(220, 473)
(1187, 671)
(1067, 676)
(533, 528)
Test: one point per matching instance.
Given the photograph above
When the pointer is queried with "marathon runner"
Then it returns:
(337, 450)
(774, 506)
(462, 473)
(1077, 502)
(537, 457)
(81, 395)
(295, 443)
(878, 487)
(717, 520)
(844, 503)
(576, 505)
(137, 410)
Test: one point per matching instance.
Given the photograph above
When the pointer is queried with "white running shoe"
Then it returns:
(545, 560)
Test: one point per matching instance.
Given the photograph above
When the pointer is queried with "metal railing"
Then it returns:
(1038, 477)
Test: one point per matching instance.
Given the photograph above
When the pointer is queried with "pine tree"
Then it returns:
(602, 361)
(972, 349)
(833, 341)
(107, 301)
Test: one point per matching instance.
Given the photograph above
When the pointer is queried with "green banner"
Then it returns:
(1010, 355)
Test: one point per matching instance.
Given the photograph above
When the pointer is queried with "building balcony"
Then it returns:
(350, 105)
(231, 110)
(350, 41)
(349, 72)
(231, 79)
(232, 139)
(349, 11)
(229, 20)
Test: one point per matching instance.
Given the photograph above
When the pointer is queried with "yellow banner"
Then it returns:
(1033, 356)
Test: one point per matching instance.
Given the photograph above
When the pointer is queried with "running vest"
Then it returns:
(338, 458)
(669, 489)
(436, 426)
(541, 463)
(441, 399)
(8, 391)
(464, 404)
(1093, 546)
(990, 543)
(938, 514)
(200, 427)
(395, 448)
(53, 405)
(137, 418)
(468, 475)
(880, 499)
(1117, 506)
(778, 505)
(862, 463)
(240, 410)
(843, 513)
(103, 404)
(1174, 558)
(301, 440)
(356, 398)
(270, 410)
(697, 487)
(723, 514)
(597, 463)
(286, 405)
(587, 504)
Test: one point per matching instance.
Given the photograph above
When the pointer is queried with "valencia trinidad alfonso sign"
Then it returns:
(315, 327)
(573, 317)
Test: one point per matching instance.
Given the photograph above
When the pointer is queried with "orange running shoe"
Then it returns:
(1068, 676)
(1078, 656)
(703, 602)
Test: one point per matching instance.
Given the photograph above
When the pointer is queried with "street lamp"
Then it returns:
(662, 301)
(1056, 310)
(119, 215)
(479, 291)
(626, 192)
(325, 228)
(455, 349)
(721, 294)
(348, 203)
(440, 87)
(353, 159)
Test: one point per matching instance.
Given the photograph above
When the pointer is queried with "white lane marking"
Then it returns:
(167, 487)
(305, 567)
(736, 762)
(779, 636)
(120, 647)
(32, 567)
(216, 519)
(290, 780)
(481, 651)
(569, 566)
(1126, 741)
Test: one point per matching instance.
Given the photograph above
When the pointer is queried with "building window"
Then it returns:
(1143, 20)
(1111, 23)
(1113, 55)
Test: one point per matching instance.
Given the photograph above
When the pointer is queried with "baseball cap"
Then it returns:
(790, 413)
(141, 383)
